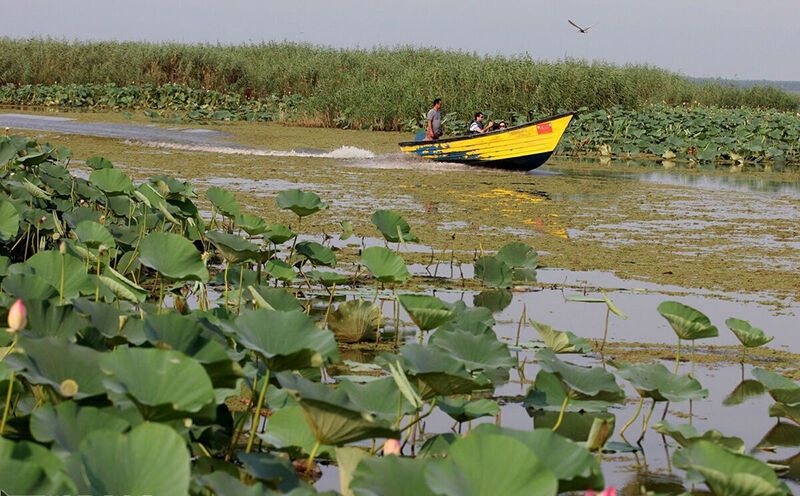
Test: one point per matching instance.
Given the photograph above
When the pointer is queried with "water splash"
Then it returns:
(344, 152)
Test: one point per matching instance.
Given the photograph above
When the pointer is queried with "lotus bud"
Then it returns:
(102, 219)
(391, 447)
(62, 248)
(17, 316)
(69, 388)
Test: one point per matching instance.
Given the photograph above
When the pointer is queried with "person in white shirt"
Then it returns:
(476, 125)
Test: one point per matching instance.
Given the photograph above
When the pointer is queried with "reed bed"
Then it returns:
(381, 88)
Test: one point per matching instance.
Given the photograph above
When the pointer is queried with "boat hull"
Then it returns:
(522, 148)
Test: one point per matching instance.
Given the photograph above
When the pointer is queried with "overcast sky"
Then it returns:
(735, 39)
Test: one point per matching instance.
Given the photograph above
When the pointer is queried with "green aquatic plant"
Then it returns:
(749, 336)
(688, 324)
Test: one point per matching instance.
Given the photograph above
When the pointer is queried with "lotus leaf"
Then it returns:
(48, 318)
(427, 312)
(334, 419)
(781, 389)
(316, 253)
(287, 430)
(302, 203)
(221, 483)
(328, 278)
(581, 382)
(98, 163)
(278, 233)
(686, 434)
(385, 265)
(485, 463)
(744, 390)
(653, 380)
(50, 264)
(223, 200)
(163, 384)
(549, 394)
(274, 298)
(496, 300)
(252, 224)
(464, 410)
(78, 363)
(27, 468)
(112, 181)
(391, 476)
(354, 321)
(112, 321)
(688, 323)
(381, 397)
(493, 272)
(393, 226)
(234, 249)
(275, 471)
(174, 256)
(728, 473)
(151, 459)
(280, 270)
(561, 341)
(480, 352)
(286, 340)
(9, 221)
(750, 337)
(68, 424)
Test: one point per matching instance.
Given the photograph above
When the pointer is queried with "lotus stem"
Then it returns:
(522, 318)
(635, 416)
(646, 420)
(605, 330)
(677, 357)
(561, 413)
(257, 413)
(692, 373)
(225, 281)
(396, 320)
(8, 403)
(311, 457)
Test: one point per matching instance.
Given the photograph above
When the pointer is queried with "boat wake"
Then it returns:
(344, 152)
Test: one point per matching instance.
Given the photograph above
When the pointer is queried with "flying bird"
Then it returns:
(580, 29)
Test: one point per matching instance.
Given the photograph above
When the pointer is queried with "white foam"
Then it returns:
(345, 152)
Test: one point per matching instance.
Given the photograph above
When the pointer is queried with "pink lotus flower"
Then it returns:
(391, 447)
(17, 316)
(609, 491)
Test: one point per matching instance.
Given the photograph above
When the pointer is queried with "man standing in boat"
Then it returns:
(434, 130)
(477, 127)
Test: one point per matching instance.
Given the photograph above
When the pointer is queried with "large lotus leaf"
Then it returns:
(464, 410)
(233, 248)
(151, 197)
(67, 424)
(251, 224)
(52, 361)
(275, 298)
(393, 226)
(481, 464)
(574, 466)
(391, 476)
(316, 253)
(475, 319)
(50, 265)
(518, 255)
(287, 430)
(781, 434)
(687, 322)
(385, 265)
(302, 203)
(749, 336)
(48, 318)
(278, 233)
(437, 373)
(27, 468)
(112, 181)
(328, 278)
(333, 418)
(222, 483)
(686, 434)
(174, 256)
(654, 380)
(122, 287)
(428, 312)
(9, 221)
(163, 384)
(98, 163)
(183, 334)
(151, 459)
(381, 397)
(781, 389)
(223, 200)
(782, 410)
(94, 234)
(728, 473)
(280, 270)
(583, 382)
(112, 321)
(548, 393)
(494, 272)
(561, 341)
(286, 340)
(480, 352)
(354, 321)
(276, 471)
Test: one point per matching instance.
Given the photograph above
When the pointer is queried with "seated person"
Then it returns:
(502, 125)
(476, 125)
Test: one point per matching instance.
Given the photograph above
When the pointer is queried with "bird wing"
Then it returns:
(574, 24)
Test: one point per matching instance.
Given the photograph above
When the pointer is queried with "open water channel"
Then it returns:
(726, 242)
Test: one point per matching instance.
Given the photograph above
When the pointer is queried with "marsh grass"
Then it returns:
(380, 89)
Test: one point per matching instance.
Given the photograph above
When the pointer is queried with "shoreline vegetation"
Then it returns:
(624, 112)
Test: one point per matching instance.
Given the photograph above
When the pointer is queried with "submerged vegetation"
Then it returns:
(198, 346)
(631, 111)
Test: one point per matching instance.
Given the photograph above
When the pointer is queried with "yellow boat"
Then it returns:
(523, 147)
